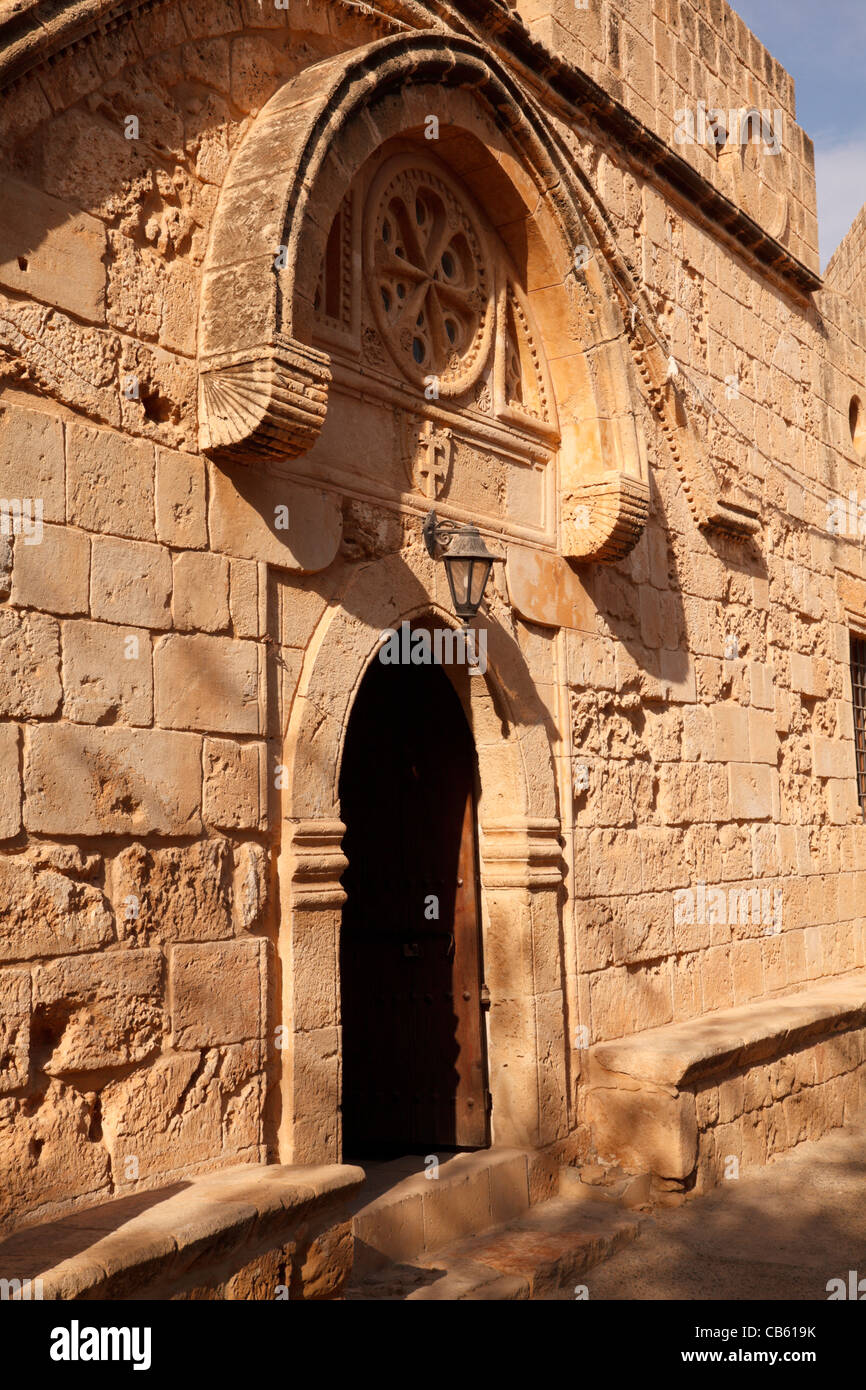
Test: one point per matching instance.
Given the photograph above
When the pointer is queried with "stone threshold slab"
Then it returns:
(679, 1053)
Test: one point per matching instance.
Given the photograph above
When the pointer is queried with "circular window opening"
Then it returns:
(857, 425)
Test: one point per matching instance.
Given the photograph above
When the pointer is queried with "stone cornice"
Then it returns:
(38, 30)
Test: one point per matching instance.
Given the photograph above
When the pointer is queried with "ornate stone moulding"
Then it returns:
(679, 426)
(428, 268)
(258, 309)
(266, 401)
(605, 519)
(319, 863)
(522, 852)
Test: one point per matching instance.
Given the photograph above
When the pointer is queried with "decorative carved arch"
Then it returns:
(264, 388)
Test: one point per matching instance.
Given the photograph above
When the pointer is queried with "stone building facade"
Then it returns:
(274, 281)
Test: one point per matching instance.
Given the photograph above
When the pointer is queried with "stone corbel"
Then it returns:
(603, 520)
(267, 401)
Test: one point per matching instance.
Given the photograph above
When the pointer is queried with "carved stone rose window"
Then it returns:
(429, 275)
(441, 302)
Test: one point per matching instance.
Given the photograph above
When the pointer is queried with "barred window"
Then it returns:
(858, 694)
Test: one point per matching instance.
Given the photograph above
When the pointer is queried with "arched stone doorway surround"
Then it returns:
(521, 868)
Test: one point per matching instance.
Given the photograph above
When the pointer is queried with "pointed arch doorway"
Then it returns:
(414, 1065)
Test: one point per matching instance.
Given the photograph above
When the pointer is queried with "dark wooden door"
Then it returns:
(414, 1074)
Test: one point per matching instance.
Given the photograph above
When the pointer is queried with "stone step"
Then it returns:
(401, 1212)
(536, 1256)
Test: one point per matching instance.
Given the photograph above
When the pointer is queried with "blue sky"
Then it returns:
(822, 43)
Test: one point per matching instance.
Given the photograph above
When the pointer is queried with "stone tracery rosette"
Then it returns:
(429, 275)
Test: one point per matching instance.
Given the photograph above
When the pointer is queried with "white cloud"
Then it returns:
(840, 171)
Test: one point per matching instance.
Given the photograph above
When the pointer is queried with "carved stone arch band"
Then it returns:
(264, 389)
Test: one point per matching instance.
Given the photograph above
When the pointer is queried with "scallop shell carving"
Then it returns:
(273, 403)
(606, 518)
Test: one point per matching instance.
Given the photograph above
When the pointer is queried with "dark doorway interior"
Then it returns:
(414, 1076)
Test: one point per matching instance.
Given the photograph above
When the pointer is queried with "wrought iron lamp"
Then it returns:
(467, 562)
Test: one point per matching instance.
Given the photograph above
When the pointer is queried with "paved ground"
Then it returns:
(782, 1232)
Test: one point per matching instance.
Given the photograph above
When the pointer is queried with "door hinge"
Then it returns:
(488, 1101)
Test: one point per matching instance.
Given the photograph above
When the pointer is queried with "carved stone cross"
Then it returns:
(434, 459)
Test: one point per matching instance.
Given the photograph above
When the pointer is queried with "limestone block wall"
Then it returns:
(135, 873)
(134, 877)
(772, 1107)
(711, 717)
(844, 273)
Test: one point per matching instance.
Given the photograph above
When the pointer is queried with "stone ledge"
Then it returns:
(644, 1091)
(233, 1234)
(677, 1054)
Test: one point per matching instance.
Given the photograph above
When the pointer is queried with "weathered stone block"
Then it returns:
(31, 460)
(10, 782)
(99, 1011)
(249, 885)
(165, 1117)
(130, 583)
(244, 598)
(678, 676)
(46, 913)
(64, 264)
(48, 1153)
(751, 791)
(242, 1081)
(142, 782)
(53, 576)
(235, 784)
(832, 757)
(201, 592)
(216, 993)
(14, 1029)
(110, 482)
(807, 677)
(762, 681)
(179, 893)
(208, 683)
(731, 730)
(180, 500)
(327, 1263)
(259, 1279)
(620, 995)
(29, 665)
(645, 1130)
(107, 675)
(246, 512)
(763, 739)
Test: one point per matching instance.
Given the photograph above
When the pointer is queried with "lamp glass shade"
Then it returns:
(468, 563)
